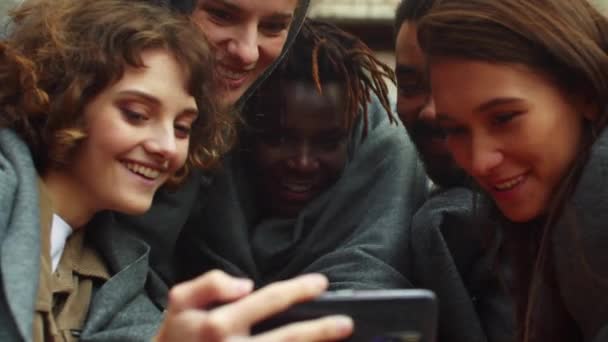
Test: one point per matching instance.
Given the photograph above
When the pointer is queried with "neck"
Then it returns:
(69, 200)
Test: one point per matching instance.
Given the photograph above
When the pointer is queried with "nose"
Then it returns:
(303, 160)
(427, 113)
(485, 156)
(243, 46)
(162, 143)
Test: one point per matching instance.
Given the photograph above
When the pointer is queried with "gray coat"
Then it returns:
(120, 308)
(448, 253)
(353, 232)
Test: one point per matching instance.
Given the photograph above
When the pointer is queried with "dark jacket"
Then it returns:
(449, 253)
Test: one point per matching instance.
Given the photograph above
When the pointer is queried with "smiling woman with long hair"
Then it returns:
(520, 91)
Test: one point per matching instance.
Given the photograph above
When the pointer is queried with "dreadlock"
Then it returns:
(323, 53)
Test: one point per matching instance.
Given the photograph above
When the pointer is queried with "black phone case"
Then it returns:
(379, 315)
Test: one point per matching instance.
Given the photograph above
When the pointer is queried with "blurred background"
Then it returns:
(372, 20)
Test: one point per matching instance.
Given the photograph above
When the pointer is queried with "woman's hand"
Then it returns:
(189, 318)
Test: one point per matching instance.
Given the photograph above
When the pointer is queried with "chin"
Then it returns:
(134, 207)
(519, 216)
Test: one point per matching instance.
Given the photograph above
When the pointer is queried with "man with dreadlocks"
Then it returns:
(303, 116)
(322, 168)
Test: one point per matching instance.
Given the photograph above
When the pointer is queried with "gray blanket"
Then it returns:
(354, 232)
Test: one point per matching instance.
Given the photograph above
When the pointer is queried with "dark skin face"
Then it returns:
(300, 153)
(416, 109)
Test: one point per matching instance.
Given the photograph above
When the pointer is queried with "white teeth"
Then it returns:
(297, 187)
(142, 170)
(225, 72)
(509, 184)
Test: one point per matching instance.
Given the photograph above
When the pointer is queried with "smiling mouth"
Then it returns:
(143, 171)
(297, 187)
(231, 74)
(509, 184)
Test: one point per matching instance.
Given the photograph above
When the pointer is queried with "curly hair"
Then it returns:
(62, 53)
(321, 54)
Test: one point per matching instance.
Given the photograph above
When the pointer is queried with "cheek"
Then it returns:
(266, 157)
(107, 138)
(181, 156)
(270, 50)
(566, 149)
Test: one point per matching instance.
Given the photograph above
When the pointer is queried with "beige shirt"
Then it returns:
(64, 295)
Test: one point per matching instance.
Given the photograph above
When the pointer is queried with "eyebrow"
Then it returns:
(497, 102)
(155, 101)
(484, 106)
(232, 7)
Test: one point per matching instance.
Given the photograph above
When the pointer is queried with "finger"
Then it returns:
(268, 301)
(330, 328)
(184, 326)
(210, 287)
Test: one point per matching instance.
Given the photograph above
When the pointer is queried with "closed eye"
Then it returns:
(219, 15)
(133, 116)
(503, 118)
(182, 131)
(275, 27)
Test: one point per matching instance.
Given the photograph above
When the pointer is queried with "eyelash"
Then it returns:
(503, 118)
(497, 120)
(133, 116)
(275, 28)
(220, 15)
(182, 131)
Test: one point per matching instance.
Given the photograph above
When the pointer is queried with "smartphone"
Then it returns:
(408, 315)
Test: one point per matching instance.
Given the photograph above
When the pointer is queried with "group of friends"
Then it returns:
(179, 170)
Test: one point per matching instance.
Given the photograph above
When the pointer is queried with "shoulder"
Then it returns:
(16, 166)
(458, 202)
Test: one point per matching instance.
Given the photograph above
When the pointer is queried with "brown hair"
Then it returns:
(321, 54)
(62, 53)
(566, 40)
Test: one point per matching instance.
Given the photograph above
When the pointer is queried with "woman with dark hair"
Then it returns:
(520, 91)
(103, 102)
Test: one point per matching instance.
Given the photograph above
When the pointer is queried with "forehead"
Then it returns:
(162, 76)
(305, 106)
(258, 7)
(407, 49)
(485, 82)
